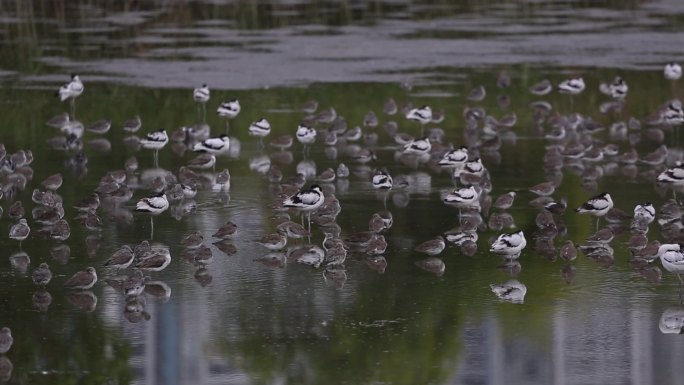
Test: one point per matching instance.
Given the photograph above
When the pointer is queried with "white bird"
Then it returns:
(306, 136)
(201, 94)
(154, 205)
(465, 197)
(229, 109)
(155, 140)
(455, 159)
(597, 206)
(616, 90)
(71, 90)
(572, 86)
(644, 212)
(422, 115)
(218, 145)
(672, 258)
(512, 291)
(509, 245)
(673, 114)
(306, 200)
(418, 146)
(260, 128)
(672, 71)
(673, 176)
(382, 180)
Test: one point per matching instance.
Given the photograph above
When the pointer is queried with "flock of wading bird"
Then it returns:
(575, 142)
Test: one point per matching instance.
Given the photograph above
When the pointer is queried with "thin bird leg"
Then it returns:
(72, 104)
(227, 126)
(151, 227)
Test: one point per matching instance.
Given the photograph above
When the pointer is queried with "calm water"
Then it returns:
(241, 321)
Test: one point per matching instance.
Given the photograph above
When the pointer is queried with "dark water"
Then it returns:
(239, 321)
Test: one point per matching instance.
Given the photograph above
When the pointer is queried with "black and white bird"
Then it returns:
(155, 140)
(464, 197)
(306, 136)
(418, 147)
(672, 258)
(672, 71)
(201, 94)
(572, 86)
(509, 245)
(382, 180)
(71, 90)
(454, 159)
(644, 212)
(229, 109)
(673, 176)
(511, 291)
(260, 128)
(154, 205)
(673, 114)
(217, 145)
(306, 201)
(474, 167)
(616, 90)
(422, 115)
(597, 206)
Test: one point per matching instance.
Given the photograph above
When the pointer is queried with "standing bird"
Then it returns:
(672, 71)
(672, 259)
(20, 231)
(509, 245)
(306, 201)
(82, 280)
(229, 110)
(42, 275)
(71, 91)
(422, 115)
(573, 86)
(154, 205)
(219, 145)
(155, 140)
(306, 136)
(597, 206)
(260, 128)
(201, 96)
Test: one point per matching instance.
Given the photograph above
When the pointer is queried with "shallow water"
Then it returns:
(242, 321)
